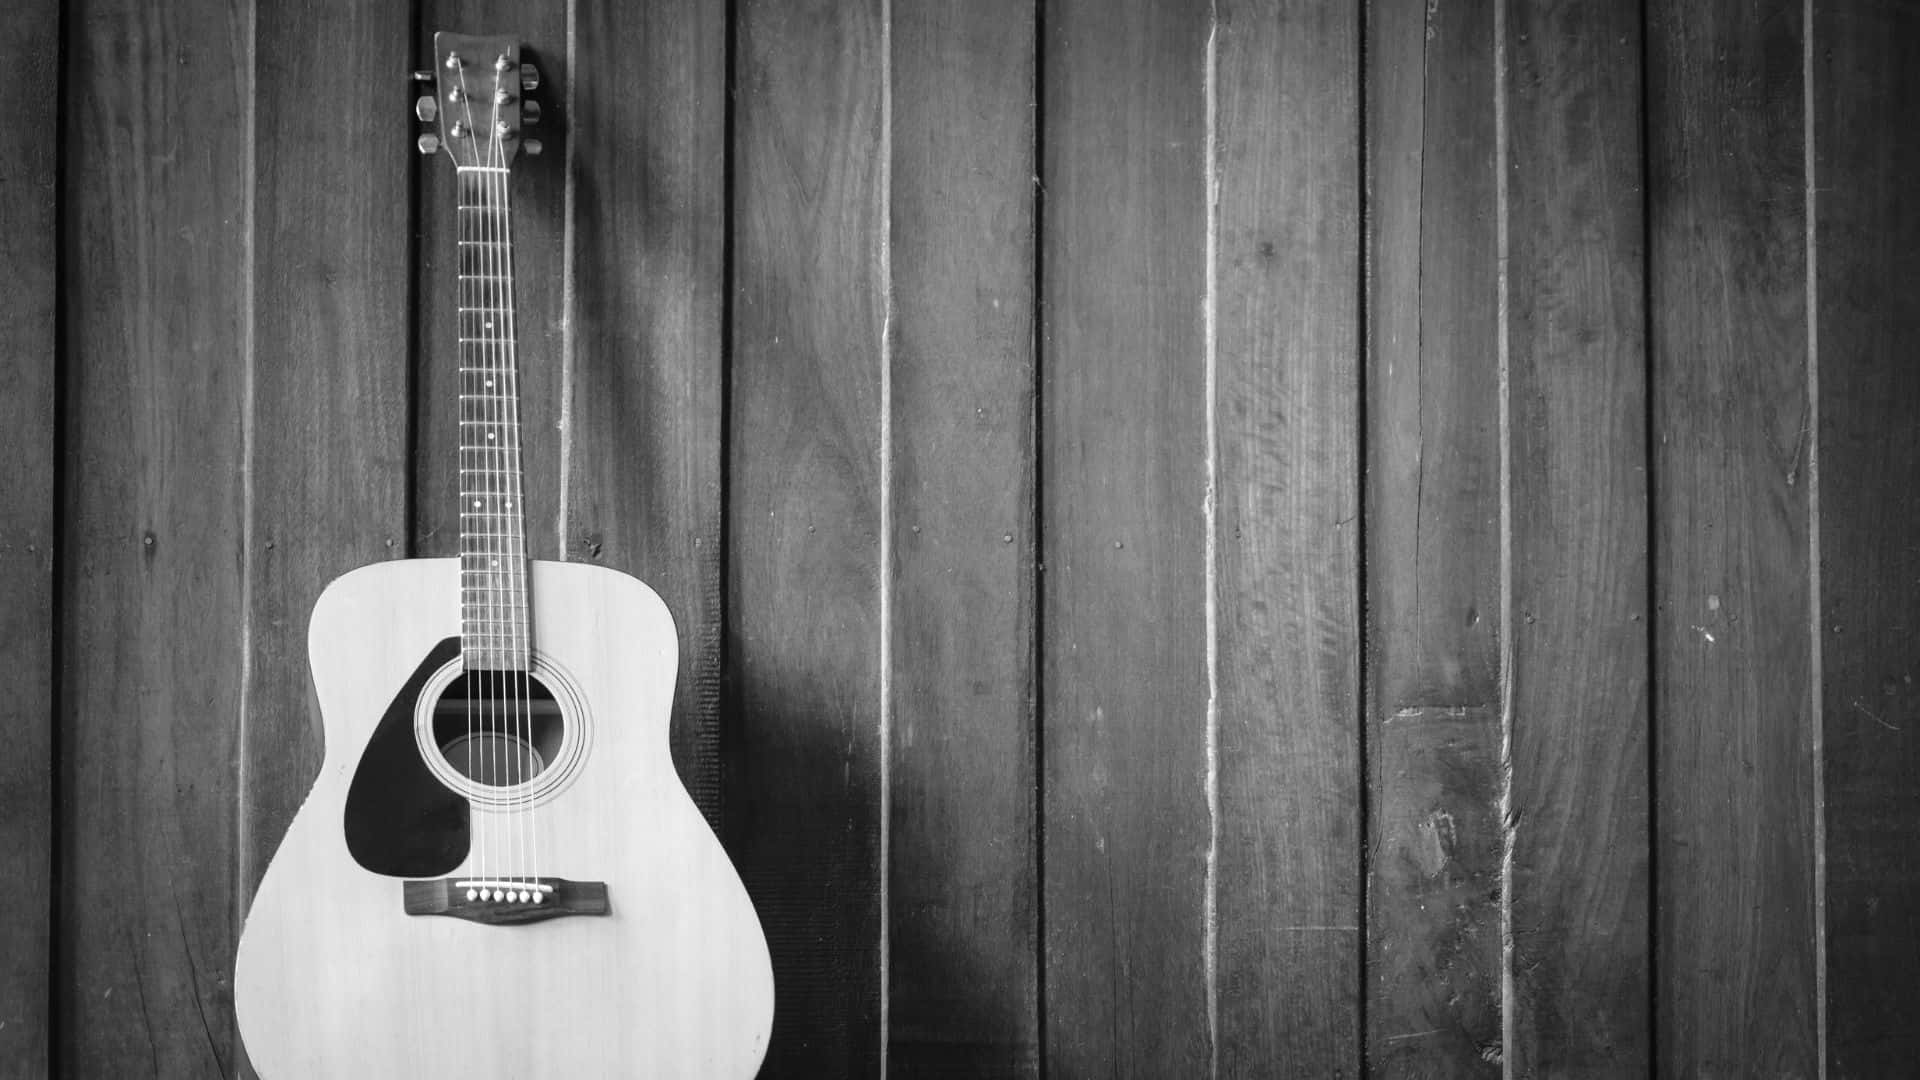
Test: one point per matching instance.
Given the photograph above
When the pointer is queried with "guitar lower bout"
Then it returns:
(493, 880)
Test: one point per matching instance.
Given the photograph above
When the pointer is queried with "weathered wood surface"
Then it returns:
(641, 416)
(1433, 545)
(1285, 412)
(153, 628)
(29, 241)
(940, 366)
(805, 518)
(1577, 405)
(1735, 935)
(1125, 788)
(1866, 87)
(962, 990)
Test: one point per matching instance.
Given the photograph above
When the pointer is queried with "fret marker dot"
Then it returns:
(489, 434)
(489, 382)
(476, 504)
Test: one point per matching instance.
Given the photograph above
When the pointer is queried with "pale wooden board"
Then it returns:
(962, 900)
(1123, 487)
(155, 271)
(1735, 932)
(804, 629)
(1578, 450)
(29, 239)
(1286, 411)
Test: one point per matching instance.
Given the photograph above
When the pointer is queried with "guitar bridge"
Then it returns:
(505, 901)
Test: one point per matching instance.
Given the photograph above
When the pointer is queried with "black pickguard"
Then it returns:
(400, 820)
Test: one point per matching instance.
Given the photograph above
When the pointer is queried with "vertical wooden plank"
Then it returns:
(1433, 547)
(804, 611)
(1124, 482)
(160, 100)
(539, 214)
(1735, 932)
(29, 59)
(1866, 94)
(1577, 479)
(1287, 352)
(962, 905)
(328, 403)
(643, 410)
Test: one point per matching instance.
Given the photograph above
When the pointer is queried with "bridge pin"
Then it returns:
(472, 895)
(524, 896)
(538, 897)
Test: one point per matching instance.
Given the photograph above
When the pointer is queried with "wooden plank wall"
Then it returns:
(1223, 539)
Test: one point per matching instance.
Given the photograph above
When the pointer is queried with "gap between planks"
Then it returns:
(1815, 659)
(886, 530)
(1210, 506)
(1503, 348)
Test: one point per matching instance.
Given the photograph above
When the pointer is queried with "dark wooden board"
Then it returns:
(1577, 454)
(962, 887)
(29, 239)
(539, 214)
(1735, 933)
(802, 721)
(329, 400)
(645, 142)
(1866, 95)
(1125, 796)
(157, 237)
(1435, 599)
(1286, 414)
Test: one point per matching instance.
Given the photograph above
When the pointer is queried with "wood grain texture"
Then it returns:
(1286, 416)
(1124, 482)
(962, 915)
(537, 191)
(1435, 601)
(644, 405)
(29, 244)
(328, 460)
(157, 232)
(1577, 398)
(1866, 88)
(1735, 932)
(804, 612)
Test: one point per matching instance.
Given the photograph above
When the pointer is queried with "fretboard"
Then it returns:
(494, 628)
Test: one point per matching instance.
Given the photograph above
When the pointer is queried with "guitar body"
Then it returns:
(335, 979)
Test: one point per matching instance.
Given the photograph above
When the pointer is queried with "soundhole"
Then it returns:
(498, 729)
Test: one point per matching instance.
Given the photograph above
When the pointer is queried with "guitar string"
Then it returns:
(517, 677)
(471, 555)
(503, 627)
(516, 481)
(488, 681)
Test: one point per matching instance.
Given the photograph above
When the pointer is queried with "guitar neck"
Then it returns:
(494, 626)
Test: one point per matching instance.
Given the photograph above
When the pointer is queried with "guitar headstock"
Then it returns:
(479, 105)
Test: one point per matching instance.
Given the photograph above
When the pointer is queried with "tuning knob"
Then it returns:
(529, 112)
(429, 144)
(529, 77)
(426, 108)
(423, 76)
(531, 147)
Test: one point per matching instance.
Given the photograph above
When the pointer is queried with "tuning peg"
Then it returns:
(423, 76)
(426, 108)
(531, 147)
(429, 144)
(529, 112)
(529, 77)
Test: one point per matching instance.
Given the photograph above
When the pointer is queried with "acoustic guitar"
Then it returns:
(497, 872)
